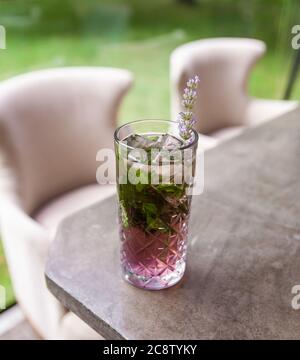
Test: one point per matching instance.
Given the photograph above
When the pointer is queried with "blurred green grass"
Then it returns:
(140, 36)
(5, 279)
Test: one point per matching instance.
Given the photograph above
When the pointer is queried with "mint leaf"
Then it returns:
(171, 189)
(153, 218)
(124, 216)
(149, 209)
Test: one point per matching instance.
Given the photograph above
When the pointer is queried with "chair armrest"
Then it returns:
(16, 224)
(261, 110)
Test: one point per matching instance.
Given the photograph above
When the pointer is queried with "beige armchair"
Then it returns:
(223, 107)
(52, 123)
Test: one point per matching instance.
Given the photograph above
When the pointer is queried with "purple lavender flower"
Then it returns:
(186, 118)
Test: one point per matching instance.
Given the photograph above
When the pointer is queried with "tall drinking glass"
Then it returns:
(155, 173)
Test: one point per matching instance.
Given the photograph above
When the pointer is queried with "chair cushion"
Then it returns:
(228, 132)
(52, 213)
(206, 142)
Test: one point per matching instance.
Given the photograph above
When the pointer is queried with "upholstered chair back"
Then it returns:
(52, 123)
(223, 66)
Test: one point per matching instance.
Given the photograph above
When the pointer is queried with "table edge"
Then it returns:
(108, 334)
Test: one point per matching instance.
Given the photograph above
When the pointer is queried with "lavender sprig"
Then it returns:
(186, 118)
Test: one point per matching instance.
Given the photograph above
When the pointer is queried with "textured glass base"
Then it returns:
(156, 282)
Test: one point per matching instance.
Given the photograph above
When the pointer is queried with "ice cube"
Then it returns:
(140, 142)
(165, 142)
(169, 142)
(138, 155)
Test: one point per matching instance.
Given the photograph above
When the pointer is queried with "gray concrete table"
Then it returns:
(243, 259)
